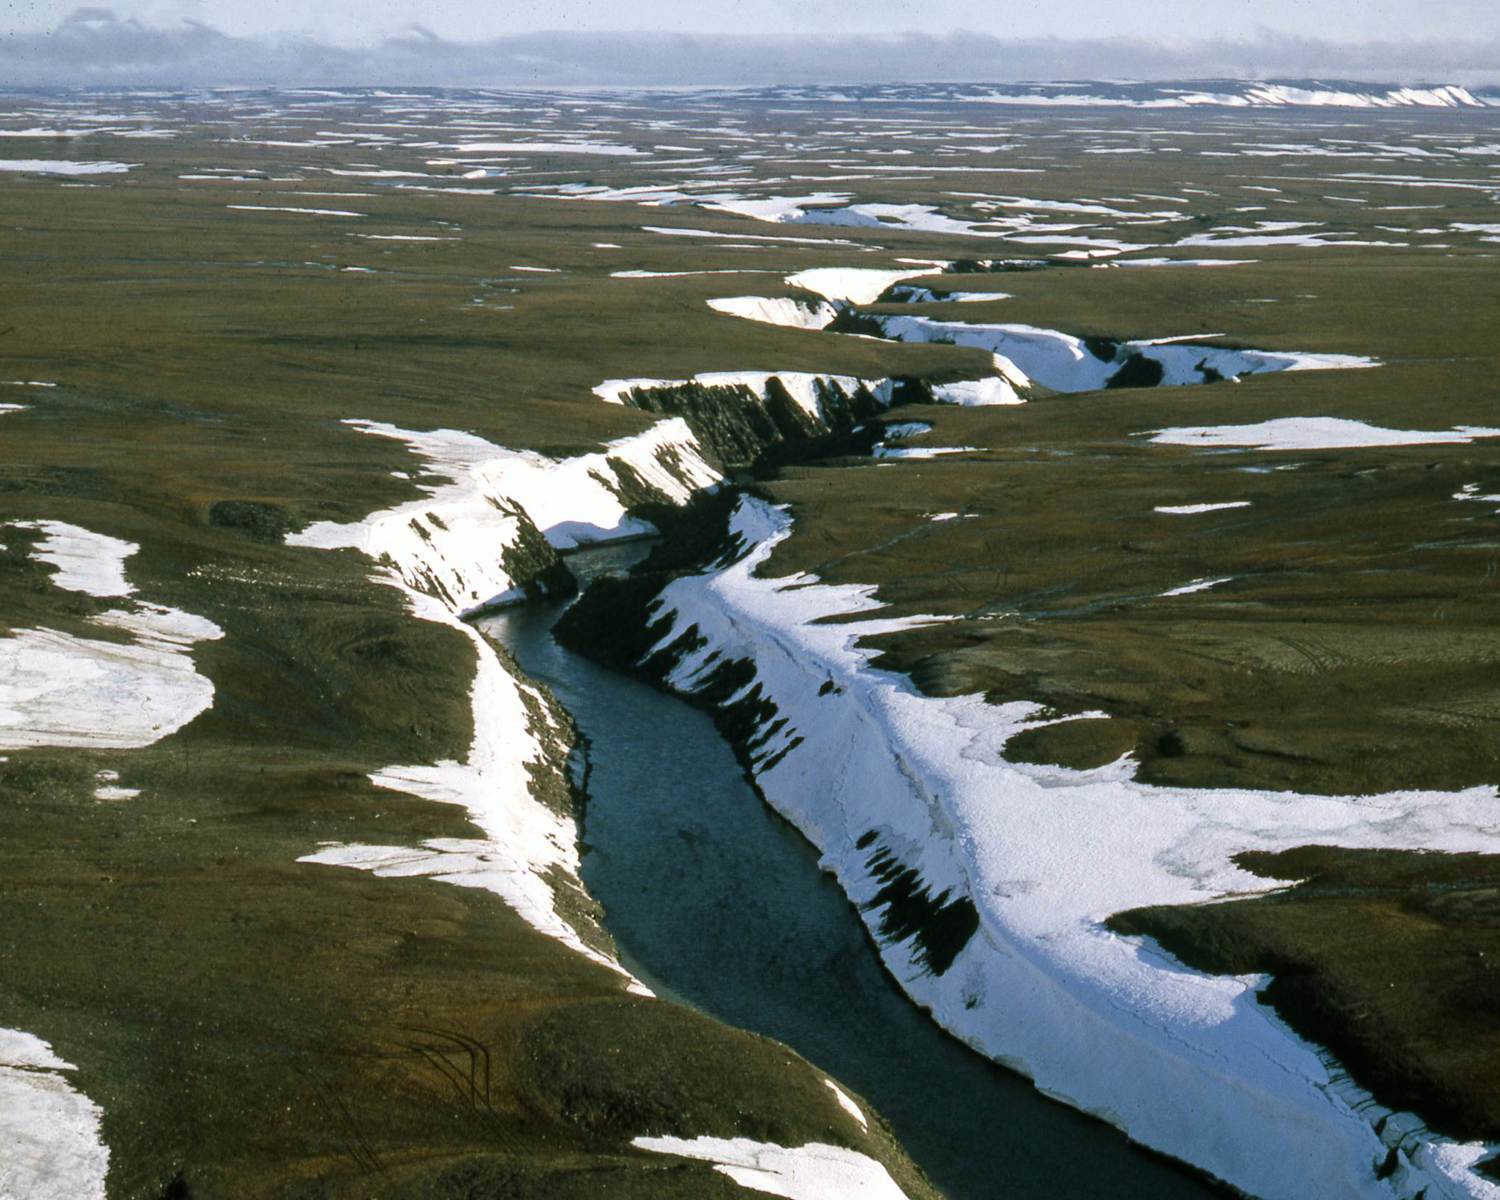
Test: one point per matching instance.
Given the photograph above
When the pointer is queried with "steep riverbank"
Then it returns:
(984, 880)
(714, 899)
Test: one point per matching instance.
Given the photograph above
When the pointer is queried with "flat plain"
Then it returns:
(203, 289)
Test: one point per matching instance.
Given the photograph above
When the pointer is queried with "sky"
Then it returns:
(358, 22)
(741, 42)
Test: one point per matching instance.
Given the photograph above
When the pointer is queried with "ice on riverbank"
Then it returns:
(1056, 360)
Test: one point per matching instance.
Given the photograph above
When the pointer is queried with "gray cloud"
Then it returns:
(94, 48)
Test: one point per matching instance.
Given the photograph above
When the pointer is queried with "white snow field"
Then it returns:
(50, 1148)
(811, 1172)
(1188, 1064)
(59, 689)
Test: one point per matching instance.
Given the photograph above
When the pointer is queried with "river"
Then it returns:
(716, 901)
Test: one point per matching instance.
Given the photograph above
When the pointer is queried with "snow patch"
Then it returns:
(57, 166)
(608, 149)
(57, 689)
(1184, 510)
(1314, 433)
(846, 1102)
(50, 1144)
(312, 212)
(810, 1172)
(82, 560)
(1198, 585)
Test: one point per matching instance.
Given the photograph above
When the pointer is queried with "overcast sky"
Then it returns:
(363, 21)
(728, 42)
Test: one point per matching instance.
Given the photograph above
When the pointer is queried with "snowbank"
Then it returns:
(853, 285)
(50, 1147)
(1008, 870)
(1066, 363)
(1025, 353)
(777, 310)
(524, 841)
(807, 390)
(813, 393)
(482, 534)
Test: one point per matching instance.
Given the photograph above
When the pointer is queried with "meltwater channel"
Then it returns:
(716, 901)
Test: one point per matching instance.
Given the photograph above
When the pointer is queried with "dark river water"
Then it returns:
(716, 901)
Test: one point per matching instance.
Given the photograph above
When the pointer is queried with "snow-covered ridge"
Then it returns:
(1018, 865)
(50, 1148)
(58, 689)
(486, 530)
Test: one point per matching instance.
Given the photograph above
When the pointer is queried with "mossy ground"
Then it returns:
(260, 1027)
